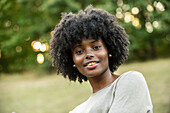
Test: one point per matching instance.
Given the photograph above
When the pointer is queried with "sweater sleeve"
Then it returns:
(131, 95)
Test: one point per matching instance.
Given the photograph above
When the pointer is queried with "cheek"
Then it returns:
(104, 54)
(77, 59)
(104, 57)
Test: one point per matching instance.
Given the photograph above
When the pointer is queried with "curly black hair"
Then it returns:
(90, 24)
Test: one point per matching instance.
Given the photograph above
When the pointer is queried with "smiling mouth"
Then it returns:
(91, 63)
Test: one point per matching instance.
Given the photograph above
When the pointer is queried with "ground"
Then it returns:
(39, 92)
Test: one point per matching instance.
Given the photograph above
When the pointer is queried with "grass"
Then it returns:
(38, 92)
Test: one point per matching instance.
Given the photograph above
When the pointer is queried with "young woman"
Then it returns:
(90, 45)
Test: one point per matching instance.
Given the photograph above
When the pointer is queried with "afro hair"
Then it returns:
(90, 24)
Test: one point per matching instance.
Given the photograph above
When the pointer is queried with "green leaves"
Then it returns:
(23, 21)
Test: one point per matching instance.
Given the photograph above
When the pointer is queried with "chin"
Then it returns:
(93, 74)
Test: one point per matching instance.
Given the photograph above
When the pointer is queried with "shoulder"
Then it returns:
(132, 92)
(132, 80)
(132, 76)
(132, 86)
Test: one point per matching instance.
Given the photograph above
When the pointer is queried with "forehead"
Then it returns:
(84, 41)
(88, 40)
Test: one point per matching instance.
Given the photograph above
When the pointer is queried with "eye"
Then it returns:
(79, 52)
(96, 47)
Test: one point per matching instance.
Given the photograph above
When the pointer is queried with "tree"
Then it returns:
(24, 22)
(147, 23)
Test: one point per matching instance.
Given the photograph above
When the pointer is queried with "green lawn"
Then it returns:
(38, 92)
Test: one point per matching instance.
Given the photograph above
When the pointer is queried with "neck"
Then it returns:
(101, 81)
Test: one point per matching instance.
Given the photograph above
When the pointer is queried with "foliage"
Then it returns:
(23, 22)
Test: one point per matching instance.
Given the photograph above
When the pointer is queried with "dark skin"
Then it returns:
(91, 59)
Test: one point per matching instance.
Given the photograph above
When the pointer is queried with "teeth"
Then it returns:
(91, 63)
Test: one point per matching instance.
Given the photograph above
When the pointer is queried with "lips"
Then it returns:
(91, 64)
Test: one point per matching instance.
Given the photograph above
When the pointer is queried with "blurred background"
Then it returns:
(28, 82)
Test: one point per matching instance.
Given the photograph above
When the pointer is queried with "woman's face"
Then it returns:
(91, 57)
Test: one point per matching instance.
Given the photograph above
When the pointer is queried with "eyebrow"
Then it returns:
(79, 45)
(95, 41)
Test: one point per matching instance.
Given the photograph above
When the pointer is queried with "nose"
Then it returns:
(89, 56)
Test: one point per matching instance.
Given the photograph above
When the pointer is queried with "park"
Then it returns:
(28, 81)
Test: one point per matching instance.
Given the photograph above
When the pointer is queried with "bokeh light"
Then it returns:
(135, 10)
(136, 23)
(149, 27)
(43, 47)
(16, 28)
(120, 2)
(32, 43)
(40, 58)
(127, 17)
(119, 15)
(37, 45)
(126, 7)
(159, 6)
(52, 32)
(18, 49)
(156, 24)
(150, 8)
(27, 39)
(132, 17)
(47, 46)
(8, 24)
(119, 9)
